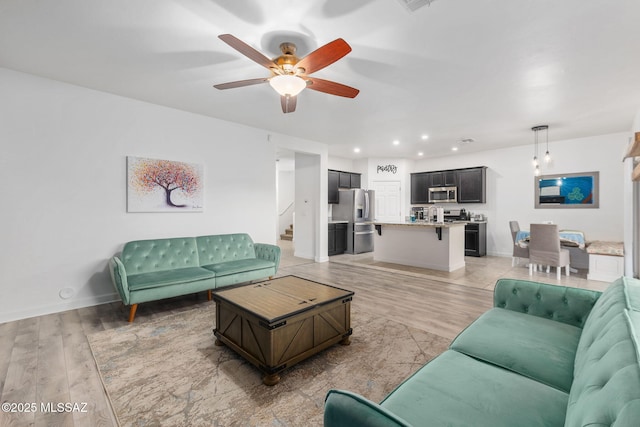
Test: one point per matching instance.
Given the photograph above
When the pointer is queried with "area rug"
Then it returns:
(168, 372)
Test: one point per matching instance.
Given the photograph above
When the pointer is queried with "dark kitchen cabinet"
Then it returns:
(340, 179)
(419, 187)
(331, 240)
(337, 241)
(349, 180)
(341, 238)
(475, 239)
(332, 190)
(345, 180)
(355, 180)
(472, 184)
(443, 179)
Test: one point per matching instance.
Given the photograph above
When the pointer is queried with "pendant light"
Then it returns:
(547, 157)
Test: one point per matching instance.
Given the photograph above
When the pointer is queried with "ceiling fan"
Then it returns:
(290, 74)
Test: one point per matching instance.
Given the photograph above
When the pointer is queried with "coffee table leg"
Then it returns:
(218, 342)
(346, 340)
(271, 379)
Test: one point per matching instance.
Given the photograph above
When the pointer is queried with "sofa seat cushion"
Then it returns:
(168, 277)
(457, 390)
(538, 348)
(239, 266)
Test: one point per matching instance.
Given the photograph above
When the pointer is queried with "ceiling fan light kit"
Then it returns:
(287, 84)
(289, 74)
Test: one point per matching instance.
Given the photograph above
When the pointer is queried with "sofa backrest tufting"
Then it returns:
(566, 305)
(606, 384)
(146, 256)
(224, 247)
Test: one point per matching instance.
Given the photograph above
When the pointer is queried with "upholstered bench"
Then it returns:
(150, 270)
(606, 260)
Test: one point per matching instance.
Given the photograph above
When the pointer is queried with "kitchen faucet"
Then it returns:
(429, 216)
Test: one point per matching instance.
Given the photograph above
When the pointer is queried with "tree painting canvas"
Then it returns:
(163, 186)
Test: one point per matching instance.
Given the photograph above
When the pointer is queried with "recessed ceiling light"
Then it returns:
(454, 148)
(425, 137)
(356, 150)
(396, 142)
(420, 153)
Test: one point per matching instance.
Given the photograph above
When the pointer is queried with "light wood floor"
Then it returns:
(47, 359)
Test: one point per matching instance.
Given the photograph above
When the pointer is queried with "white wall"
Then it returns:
(307, 201)
(311, 166)
(510, 186)
(341, 164)
(632, 211)
(63, 169)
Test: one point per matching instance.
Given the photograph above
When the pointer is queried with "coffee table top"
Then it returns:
(282, 297)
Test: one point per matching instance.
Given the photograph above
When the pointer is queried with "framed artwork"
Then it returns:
(569, 190)
(163, 186)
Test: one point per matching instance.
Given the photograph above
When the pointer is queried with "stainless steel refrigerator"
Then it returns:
(358, 207)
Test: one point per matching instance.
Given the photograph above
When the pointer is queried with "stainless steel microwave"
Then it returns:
(443, 194)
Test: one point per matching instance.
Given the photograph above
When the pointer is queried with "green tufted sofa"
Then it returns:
(545, 355)
(150, 270)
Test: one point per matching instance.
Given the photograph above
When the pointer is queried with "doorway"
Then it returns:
(303, 182)
(285, 193)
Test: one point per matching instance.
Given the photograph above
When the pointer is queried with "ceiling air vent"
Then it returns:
(413, 5)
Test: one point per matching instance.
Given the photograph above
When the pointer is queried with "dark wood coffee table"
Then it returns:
(278, 323)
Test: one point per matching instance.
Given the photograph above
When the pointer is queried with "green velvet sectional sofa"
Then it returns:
(150, 270)
(545, 355)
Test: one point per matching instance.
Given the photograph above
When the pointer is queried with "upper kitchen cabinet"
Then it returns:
(340, 179)
(419, 185)
(355, 180)
(443, 179)
(348, 180)
(345, 180)
(472, 184)
(334, 180)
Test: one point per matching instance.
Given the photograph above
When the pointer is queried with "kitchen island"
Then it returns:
(438, 246)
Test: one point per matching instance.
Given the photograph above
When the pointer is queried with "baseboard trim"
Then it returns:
(58, 308)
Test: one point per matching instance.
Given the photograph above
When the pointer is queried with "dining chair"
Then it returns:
(544, 249)
(518, 252)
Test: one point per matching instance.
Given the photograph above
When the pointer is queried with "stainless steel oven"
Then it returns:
(443, 194)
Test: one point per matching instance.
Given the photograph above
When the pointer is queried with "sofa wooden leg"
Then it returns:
(132, 312)
(270, 277)
(209, 295)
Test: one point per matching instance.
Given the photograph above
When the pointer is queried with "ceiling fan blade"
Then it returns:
(331, 88)
(248, 51)
(241, 83)
(288, 103)
(323, 56)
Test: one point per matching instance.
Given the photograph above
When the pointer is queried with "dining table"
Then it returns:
(571, 238)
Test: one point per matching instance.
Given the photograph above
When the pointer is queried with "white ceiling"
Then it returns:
(487, 70)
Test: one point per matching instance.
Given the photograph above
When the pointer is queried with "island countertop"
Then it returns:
(423, 224)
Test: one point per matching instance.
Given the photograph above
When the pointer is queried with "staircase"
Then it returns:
(288, 233)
